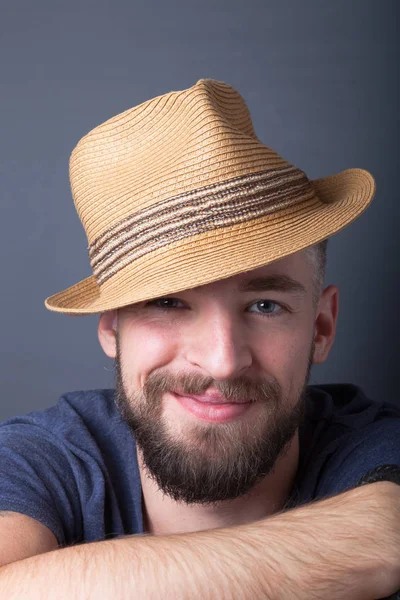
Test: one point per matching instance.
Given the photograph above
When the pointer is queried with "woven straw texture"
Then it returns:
(179, 192)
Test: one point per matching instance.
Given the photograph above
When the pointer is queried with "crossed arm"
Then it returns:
(210, 564)
(326, 549)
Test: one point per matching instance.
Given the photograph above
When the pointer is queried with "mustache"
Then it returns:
(233, 390)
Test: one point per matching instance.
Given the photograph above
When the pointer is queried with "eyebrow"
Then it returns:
(276, 283)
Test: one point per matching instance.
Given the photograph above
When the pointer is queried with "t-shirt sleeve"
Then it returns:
(375, 445)
(36, 478)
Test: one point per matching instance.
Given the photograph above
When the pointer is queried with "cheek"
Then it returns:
(144, 350)
(285, 355)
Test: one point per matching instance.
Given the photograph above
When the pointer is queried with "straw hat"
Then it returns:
(179, 191)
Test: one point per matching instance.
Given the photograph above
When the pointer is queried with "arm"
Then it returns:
(347, 546)
(22, 537)
(208, 565)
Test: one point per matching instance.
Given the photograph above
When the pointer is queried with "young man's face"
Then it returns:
(253, 346)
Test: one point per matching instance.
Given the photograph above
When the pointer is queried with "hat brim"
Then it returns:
(221, 253)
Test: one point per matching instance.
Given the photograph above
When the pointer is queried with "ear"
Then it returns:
(325, 323)
(107, 332)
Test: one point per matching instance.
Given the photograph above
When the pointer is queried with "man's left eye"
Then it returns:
(263, 306)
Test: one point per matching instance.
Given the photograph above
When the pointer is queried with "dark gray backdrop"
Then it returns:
(321, 81)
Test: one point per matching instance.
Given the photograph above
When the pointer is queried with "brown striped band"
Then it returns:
(219, 205)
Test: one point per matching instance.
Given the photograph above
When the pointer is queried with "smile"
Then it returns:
(211, 408)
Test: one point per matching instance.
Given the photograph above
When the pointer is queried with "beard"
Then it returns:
(207, 463)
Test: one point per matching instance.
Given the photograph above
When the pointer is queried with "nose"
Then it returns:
(218, 345)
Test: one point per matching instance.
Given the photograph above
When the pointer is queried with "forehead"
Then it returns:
(291, 274)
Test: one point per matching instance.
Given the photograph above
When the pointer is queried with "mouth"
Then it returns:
(211, 398)
(212, 408)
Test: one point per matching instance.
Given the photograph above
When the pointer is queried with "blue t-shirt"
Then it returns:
(73, 466)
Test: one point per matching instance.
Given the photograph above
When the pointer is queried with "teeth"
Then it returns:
(218, 402)
(209, 401)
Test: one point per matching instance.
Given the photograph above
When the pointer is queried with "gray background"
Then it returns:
(321, 81)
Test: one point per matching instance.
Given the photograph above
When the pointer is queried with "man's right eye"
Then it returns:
(163, 303)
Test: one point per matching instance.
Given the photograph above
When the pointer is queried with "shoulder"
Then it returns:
(82, 420)
(348, 404)
(351, 435)
(377, 444)
(55, 463)
(71, 408)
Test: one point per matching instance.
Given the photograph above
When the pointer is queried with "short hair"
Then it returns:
(317, 256)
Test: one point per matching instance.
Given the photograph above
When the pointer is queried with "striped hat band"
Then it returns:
(236, 201)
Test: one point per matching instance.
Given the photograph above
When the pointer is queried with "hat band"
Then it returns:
(212, 207)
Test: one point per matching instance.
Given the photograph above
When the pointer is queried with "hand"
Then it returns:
(340, 548)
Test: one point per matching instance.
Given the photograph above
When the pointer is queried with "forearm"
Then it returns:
(341, 547)
(219, 563)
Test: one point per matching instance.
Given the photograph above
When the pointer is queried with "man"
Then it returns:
(208, 251)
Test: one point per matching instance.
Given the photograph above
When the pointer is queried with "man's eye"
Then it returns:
(265, 305)
(164, 303)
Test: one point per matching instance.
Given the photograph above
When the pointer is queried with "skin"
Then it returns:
(257, 345)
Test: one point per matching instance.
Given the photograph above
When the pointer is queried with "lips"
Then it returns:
(212, 399)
